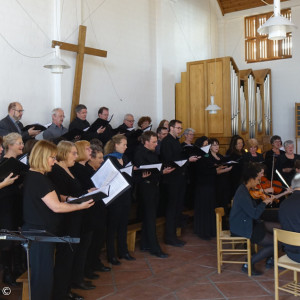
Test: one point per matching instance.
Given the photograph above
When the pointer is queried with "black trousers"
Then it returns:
(175, 194)
(117, 221)
(97, 241)
(149, 198)
(42, 265)
(65, 255)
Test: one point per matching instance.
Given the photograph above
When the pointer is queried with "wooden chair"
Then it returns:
(224, 238)
(290, 238)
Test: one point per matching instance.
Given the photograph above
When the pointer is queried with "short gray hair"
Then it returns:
(128, 115)
(10, 139)
(188, 130)
(287, 143)
(296, 181)
(55, 110)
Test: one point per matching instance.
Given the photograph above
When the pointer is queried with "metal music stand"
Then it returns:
(26, 237)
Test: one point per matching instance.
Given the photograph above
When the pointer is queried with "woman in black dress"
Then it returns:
(271, 155)
(42, 210)
(235, 153)
(252, 155)
(9, 193)
(208, 169)
(11, 209)
(90, 218)
(285, 162)
(66, 185)
(118, 210)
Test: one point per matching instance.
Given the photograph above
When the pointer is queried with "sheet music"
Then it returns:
(153, 166)
(103, 189)
(47, 125)
(117, 185)
(105, 174)
(108, 174)
(127, 170)
(147, 128)
(231, 162)
(205, 148)
(180, 163)
(23, 159)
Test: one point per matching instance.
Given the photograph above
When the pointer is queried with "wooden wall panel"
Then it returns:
(197, 97)
(215, 87)
(181, 103)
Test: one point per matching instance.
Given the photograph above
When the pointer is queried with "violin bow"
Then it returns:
(282, 179)
(272, 174)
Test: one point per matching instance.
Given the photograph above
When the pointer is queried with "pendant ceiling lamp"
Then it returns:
(212, 108)
(56, 64)
(277, 26)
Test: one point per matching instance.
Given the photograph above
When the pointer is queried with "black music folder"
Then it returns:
(36, 127)
(12, 165)
(96, 195)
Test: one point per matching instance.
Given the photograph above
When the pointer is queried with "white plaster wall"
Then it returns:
(285, 73)
(148, 44)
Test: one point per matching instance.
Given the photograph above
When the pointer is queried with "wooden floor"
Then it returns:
(189, 273)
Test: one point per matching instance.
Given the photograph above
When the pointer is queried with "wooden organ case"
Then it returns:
(220, 77)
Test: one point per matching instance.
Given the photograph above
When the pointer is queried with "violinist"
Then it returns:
(271, 155)
(245, 218)
(285, 162)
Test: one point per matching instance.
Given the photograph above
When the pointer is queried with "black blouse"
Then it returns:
(37, 215)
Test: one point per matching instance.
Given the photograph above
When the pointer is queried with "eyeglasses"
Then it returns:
(19, 110)
(19, 144)
(130, 121)
(53, 157)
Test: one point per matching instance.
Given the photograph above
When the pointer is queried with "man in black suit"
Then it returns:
(148, 192)
(80, 122)
(175, 182)
(11, 123)
(107, 131)
(289, 217)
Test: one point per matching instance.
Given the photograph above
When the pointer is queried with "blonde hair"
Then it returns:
(10, 139)
(111, 144)
(80, 145)
(252, 143)
(63, 148)
(39, 156)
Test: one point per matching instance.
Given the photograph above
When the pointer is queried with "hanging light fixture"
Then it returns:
(57, 64)
(212, 108)
(277, 26)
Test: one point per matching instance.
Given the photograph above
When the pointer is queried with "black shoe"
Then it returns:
(102, 268)
(114, 261)
(8, 278)
(254, 272)
(91, 275)
(127, 256)
(83, 286)
(173, 243)
(74, 296)
(160, 254)
(270, 263)
(180, 242)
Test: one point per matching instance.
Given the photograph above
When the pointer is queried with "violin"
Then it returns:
(265, 183)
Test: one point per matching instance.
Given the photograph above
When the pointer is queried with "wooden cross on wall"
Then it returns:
(81, 50)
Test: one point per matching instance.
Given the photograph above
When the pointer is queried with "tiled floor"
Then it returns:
(189, 273)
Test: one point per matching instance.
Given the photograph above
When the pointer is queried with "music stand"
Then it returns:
(26, 237)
